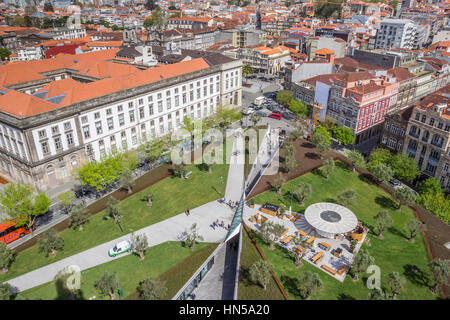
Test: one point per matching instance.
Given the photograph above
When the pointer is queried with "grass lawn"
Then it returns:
(159, 260)
(172, 196)
(393, 253)
(247, 289)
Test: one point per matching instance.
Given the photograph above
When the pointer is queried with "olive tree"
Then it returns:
(191, 236)
(259, 273)
(152, 289)
(139, 245)
(382, 221)
(107, 285)
(79, 215)
(50, 242)
(6, 257)
(413, 226)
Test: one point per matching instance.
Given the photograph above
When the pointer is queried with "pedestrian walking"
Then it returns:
(188, 212)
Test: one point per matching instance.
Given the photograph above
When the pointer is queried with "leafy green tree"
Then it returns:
(413, 226)
(127, 180)
(430, 185)
(303, 191)
(441, 272)
(290, 162)
(259, 273)
(308, 284)
(382, 221)
(271, 232)
(4, 53)
(377, 294)
(140, 244)
(107, 285)
(344, 135)
(284, 97)
(362, 261)
(382, 172)
(325, 132)
(298, 107)
(396, 283)
(112, 210)
(50, 242)
(320, 142)
(66, 200)
(247, 70)
(404, 196)
(379, 156)
(356, 158)
(150, 5)
(148, 23)
(226, 115)
(6, 257)
(48, 7)
(102, 173)
(149, 198)
(179, 170)
(278, 183)
(5, 291)
(347, 197)
(152, 289)
(404, 167)
(79, 215)
(437, 203)
(191, 236)
(153, 149)
(20, 203)
(328, 166)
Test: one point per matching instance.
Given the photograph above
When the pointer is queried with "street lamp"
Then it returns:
(221, 182)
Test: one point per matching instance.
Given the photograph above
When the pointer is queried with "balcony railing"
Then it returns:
(435, 143)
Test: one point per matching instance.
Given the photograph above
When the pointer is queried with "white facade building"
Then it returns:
(398, 33)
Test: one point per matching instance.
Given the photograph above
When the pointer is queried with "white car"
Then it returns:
(121, 247)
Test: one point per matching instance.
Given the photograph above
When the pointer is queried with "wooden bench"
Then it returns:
(317, 257)
(287, 239)
(310, 239)
(343, 269)
(299, 249)
(324, 245)
(327, 268)
(301, 232)
(284, 232)
(296, 218)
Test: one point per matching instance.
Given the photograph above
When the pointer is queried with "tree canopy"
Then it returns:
(404, 167)
(22, 204)
(344, 135)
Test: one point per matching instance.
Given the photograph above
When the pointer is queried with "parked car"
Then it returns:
(247, 111)
(394, 183)
(261, 114)
(119, 248)
(275, 115)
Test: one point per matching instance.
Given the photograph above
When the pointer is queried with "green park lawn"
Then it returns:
(172, 196)
(393, 253)
(160, 262)
(247, 289)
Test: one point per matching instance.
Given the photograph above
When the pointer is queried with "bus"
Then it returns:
(9, 232)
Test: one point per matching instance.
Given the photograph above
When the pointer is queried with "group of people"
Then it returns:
(220, 224)
(232, 204)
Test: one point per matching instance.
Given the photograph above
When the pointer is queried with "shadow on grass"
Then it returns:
(343, 166)
(386, 202)
(415, 275)
(331, 200)
(244, 276)
(65, 294)
(397, 232)
(344, 296)
(291, 284)
(365, 177)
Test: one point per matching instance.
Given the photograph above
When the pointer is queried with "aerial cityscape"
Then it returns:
(234, 150)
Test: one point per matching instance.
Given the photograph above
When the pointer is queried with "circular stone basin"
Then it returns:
(330, 216)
